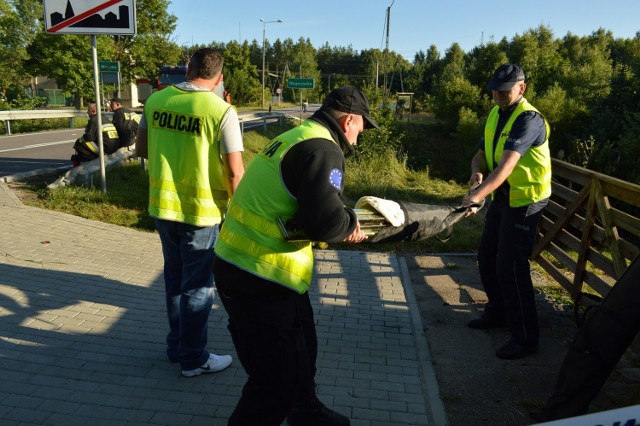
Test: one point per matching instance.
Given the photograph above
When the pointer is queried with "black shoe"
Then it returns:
(513, 350)
(319, 416)
(486, 322)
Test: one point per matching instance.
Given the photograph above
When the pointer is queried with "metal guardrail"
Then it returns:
(19, 114)
(8, 116)
(37, 114)
(260, 116)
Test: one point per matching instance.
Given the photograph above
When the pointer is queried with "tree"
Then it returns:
(454, 64)
(342, 65)
(371, 67)
(629, 149)
(483, 61)
(455, 93)
(536, 51)
(18, 26)
(588, 67)
(304, 64)
(143, 54)
(427, 69)
(68, 59)
(241, 77)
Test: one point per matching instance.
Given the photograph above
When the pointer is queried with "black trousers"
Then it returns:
(503, 260)
(83, 152)
(274, 334)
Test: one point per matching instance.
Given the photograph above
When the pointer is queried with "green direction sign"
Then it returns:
(301, 83)
(109, 66)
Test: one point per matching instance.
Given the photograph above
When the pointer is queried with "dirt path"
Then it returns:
(477, 387)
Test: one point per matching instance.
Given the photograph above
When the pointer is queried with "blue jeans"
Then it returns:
(188, 280)
(503, 260)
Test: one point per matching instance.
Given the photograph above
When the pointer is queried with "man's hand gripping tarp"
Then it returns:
(394, 221)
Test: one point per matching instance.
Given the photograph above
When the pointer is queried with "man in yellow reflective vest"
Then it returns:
(515, 155)
(263, 279)
(193, 143)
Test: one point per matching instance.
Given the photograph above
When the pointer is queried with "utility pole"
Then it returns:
(264, 33)
(386, 49)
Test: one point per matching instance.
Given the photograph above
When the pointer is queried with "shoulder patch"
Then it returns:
(335, 178)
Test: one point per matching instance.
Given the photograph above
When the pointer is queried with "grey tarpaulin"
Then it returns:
(386, 221)
(421, 221)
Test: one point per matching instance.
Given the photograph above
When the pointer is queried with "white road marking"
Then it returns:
(38, 145)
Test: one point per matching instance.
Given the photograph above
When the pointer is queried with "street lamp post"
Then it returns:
(264, 33)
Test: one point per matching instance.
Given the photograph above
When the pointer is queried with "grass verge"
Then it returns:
(385, 176)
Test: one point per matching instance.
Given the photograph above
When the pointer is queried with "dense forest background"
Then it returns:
(588, 87)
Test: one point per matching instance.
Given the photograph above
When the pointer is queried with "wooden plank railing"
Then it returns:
(590, 230)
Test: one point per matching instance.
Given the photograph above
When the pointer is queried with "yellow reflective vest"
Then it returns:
(186, 174)
(530, 180)
(251, 238)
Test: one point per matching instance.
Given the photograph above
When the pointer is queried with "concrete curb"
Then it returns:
(435, 406)
(39, 172)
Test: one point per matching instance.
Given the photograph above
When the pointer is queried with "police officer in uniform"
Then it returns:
(193, 143)
(263, 279)
(516, 158)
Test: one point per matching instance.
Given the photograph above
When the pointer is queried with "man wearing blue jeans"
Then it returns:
(192, 140)
(188, 256)
(515, 155)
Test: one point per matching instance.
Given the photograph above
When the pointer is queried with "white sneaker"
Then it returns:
(214, 364)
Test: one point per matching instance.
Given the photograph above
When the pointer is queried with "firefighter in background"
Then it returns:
(126, 122)
(87, 146)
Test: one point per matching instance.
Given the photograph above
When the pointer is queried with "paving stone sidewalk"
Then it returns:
(82, 329)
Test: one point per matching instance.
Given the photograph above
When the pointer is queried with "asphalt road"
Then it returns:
(27, 152)
(31, 151)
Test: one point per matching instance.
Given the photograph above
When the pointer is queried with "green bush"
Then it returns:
(36, 125)
(26, 126)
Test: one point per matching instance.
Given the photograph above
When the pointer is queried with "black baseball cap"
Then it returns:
(505, 77)
(352, 100)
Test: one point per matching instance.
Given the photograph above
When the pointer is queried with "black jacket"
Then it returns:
(126, 127)
(92, 130)
(313, 172)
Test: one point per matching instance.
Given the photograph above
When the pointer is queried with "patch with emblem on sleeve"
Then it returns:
(335, 178)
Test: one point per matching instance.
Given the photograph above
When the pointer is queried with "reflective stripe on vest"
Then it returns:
(250, 237)
(186, 175)
(109, 133)
(256, 245)
(93, 147)
(530, 180)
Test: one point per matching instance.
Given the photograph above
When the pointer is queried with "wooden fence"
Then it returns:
(590, 230)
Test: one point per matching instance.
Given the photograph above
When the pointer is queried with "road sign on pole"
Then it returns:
(109, 66)
(93, 17)
(301, 83)
(109, 71)
(90, 17)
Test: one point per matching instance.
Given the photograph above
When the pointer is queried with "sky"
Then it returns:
(414, 25)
